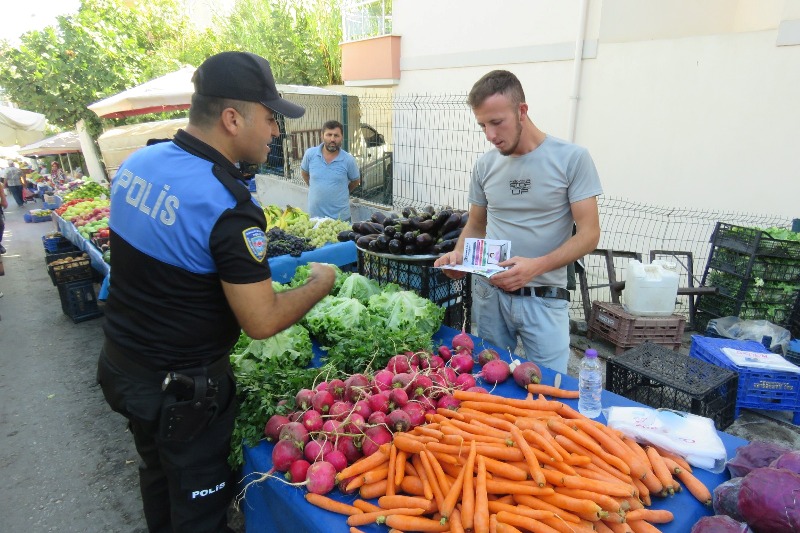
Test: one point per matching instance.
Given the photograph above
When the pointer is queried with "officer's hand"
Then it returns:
(323, 274)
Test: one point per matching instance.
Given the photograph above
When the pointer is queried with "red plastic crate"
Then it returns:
(610, 322)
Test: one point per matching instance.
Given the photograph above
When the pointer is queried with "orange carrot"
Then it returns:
(586, 509)
(530, 457)
(390, 473)
(355, 530)
(548, 390)
(524, 522)
(408, 443)
(659, 468)
(603, 500)
(401, 500)
(656, 516)
(505, 470)
(618, 528)
(456, 526)
(533, 502)
(674, 468)
(329, 504)
(432, 480)
(441, 479)
(563, 527)
(378, 517)
(496, 507)
(415, 523)
(373, 490)
(502, 527)
(416, 461)
(413, 485)
(644, 492)
(500, 486)
(543, 444)
(365, 463)
(675, 457)
(613, 444)
(468, 491)
(365, 506)
(452, 496)
(481, 512)
(604, 487)
(504, 453)
(400, 467)
(587, 442)
(376, 475)
(481, 398)
(640, 526)
(695, 486)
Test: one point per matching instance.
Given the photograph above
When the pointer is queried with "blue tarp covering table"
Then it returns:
(70, 232)
(276, 507)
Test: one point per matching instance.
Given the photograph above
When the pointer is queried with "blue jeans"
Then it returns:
(541, 323)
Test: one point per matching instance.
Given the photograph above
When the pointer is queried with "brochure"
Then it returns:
(481, 256)
(765, 361)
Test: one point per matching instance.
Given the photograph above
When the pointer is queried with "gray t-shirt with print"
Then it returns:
(528, 197)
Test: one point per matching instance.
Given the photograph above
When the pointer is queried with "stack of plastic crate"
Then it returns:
(758, 276)
(611, 322)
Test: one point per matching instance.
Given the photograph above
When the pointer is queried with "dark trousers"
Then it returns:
(16, 192)
(185, 486)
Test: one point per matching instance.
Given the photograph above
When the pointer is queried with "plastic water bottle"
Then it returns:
(590, 385)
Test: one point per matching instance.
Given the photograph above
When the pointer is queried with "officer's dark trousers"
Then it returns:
(186, 486)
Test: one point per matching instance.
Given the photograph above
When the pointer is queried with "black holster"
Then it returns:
(184, 415)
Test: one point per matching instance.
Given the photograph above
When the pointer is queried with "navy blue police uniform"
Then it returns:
(182, 220)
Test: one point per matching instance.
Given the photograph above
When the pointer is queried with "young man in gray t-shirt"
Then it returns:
(530, 189)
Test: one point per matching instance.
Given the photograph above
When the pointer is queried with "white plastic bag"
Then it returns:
(692, 437)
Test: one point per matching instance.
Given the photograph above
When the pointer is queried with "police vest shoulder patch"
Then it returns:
(256, 242)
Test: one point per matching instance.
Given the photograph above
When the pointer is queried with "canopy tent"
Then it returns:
(118, 143)
(64, 143)
(168, 93)
(18, 127)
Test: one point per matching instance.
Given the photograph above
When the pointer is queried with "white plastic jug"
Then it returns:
(650, 290)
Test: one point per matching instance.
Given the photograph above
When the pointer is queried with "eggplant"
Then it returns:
(445, 246)
(410, 237)
(424, 241)
(343, 236)
(451, 223)
(390, 231)
(408, 211)
(373, 246)
(429, 209)
(441, 217)
(410, 249)
(426, 226)
(396, 247)
(405, 225)
(356, 227)
(364, 240)
(382, 242)
(464, 219)
(368, 228)
(451, 234)
(378, 217)
(391, 220)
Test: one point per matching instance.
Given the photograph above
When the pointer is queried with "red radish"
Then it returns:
(354, 423)
(312, 420)
(362, 408)
(444, 352)
(449, 374)
(340, 410)
(462, 342)
(284, 454)
(433, 362)
(495, 372)
(415, 412)
(321, 478)
(336, 387)
(465, 381)
(397, 398)
(379, 402)
(322, 401)
(337, 459)
(294, 416)
(526, 373)
(373, 438)
(402, 380)
(439, 387)
(273, 427)
(295, 432)
(283, 405)
(487, 355)
(342, 486)
(421, 385)
(376, 418)
(382, 380)
(448, 402)
(317, 450)
(398, 364)
(322, 385)
(398, 420)
(347, 445)
(427, 403)
(462, 363)
(297, 471)
(356, 387)
(332, 428)
(303, 399)
(477, 389)
(413, 359)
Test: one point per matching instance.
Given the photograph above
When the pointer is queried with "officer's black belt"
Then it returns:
(542, 292)
(129, 366)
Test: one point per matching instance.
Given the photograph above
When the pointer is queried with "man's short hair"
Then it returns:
(496, 82)
(206, 110)
(332, 125)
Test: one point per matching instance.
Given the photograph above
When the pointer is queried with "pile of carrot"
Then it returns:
(502, 465)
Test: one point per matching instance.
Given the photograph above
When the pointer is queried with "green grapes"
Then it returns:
(325, 231)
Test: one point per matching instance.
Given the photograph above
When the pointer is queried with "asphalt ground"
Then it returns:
(68, 462)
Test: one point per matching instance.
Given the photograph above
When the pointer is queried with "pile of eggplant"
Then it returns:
(410, 232)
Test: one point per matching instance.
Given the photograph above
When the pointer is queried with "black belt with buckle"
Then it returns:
(542, 292)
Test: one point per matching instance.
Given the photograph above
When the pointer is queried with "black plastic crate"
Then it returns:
(753, 241)
(743, 265)
(794, 319)
(79, 268)
(78, 300)
(50, 258)
(664, 379)
(420, 276)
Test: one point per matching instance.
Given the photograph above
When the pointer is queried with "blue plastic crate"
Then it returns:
(758, 389)
(57, 244)
(793, 354)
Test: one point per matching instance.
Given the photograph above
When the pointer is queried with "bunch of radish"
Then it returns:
(340, 421)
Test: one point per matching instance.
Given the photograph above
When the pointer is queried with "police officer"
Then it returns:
(190, 270)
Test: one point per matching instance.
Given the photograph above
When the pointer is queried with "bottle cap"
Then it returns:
(591, 352)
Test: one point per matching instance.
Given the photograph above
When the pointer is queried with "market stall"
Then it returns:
(272, 505)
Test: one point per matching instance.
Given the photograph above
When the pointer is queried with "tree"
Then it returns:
(104, 48)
